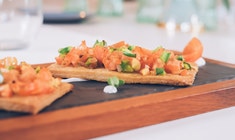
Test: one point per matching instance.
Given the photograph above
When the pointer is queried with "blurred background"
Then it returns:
(148, 23)
(183, 15)
(192, 17)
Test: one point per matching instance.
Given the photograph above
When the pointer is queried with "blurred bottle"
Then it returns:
(179, 11)
(75, 6)
(207, 12)
(110, 7)
(20, 20)
(150, 10)
(188, 15)
(180, 15)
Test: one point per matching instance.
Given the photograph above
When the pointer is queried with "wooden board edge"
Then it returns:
(114, 116)
(220, 62)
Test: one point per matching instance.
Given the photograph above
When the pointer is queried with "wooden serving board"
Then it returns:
(87, 112)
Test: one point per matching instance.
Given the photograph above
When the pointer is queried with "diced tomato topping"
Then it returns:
(99, 53)
(24, 80)
(5, 90)
(136, 58)
(112, 60)
(193, 50)
(173, 66)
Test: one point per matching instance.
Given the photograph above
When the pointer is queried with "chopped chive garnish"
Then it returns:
(187, 66)
(159, 47)
(165, 56)
(160, 71)
(100, 43)
(126, 67)
(131, 47)
(114, 81)
(129, 53)
(65, 50)
(11, 67)
(37, 69)
(88, 61)
(180, 57)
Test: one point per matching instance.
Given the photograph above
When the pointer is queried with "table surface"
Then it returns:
(218, 45)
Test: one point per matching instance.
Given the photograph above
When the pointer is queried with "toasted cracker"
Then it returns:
(33, 103)
(102, 74)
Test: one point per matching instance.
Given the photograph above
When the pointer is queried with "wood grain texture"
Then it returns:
(104, 118)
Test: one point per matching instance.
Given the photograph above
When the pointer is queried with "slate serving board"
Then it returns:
(86, 112)
(91, 92)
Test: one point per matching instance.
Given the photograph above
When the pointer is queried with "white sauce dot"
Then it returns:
(201, 62)
(110, 89)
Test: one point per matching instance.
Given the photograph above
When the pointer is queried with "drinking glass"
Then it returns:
(110, 7)
(150, 10)
(19, 22)
(207, 12)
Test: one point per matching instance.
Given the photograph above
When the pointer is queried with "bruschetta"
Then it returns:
(24, 88)
(131, 63)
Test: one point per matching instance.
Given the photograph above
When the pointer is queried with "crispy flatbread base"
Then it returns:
(35, 103)
(101, 74)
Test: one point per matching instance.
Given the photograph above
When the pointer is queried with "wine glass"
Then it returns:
(19, 22)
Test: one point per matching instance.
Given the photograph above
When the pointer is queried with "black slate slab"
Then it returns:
(91, 92)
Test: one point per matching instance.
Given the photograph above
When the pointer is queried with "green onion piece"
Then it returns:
(114, 81)
(131, 47)
(100, 43)
(112, 49)
(159, 47)
(65, 50)
(126, 67)
(11, 67)
(165, 56)
(187, 66)
(37, 69)
(91, 62)
(160, 71)
(128, 53)
(116, 49)
(180, 57)
(88, 62)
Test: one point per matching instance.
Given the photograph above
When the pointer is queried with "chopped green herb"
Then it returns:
(37, 69)
(88, 61)
(160, 71)
(115, 49)
(65, 50)
(11, 67)
(131, 47)
(114, 81)
(100, 43)
(91, 62)
(129, 53)
(165, 56)
(180, 57)
(126, 67)
(187, 66)
(159, 47)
